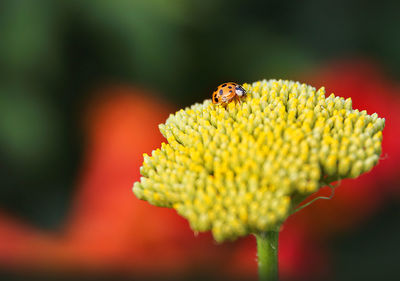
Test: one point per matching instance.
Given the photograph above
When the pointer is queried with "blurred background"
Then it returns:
(83, 85)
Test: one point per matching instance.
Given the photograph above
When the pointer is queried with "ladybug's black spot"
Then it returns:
(230, 87)
(216, 99)
(224, 85)
(230, 91)
(221, 92)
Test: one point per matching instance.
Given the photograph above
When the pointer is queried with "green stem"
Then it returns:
(267, 252)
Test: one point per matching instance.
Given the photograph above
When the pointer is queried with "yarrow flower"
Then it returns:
(243, 168)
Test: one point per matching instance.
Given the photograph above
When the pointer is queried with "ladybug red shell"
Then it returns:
(227, 92)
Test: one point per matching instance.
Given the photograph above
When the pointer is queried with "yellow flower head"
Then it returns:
(237, 170)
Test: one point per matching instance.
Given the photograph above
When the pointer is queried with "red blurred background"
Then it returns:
(109, 232)
(84, 85)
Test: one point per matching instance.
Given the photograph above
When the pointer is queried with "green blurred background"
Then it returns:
(53, 54)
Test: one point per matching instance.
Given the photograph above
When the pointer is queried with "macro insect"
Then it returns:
(227, 92)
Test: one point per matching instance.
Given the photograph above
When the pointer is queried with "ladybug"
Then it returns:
(227, 92)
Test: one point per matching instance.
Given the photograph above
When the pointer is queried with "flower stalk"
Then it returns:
(267, 254)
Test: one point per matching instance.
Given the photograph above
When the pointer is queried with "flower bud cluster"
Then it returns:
(234, 170)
